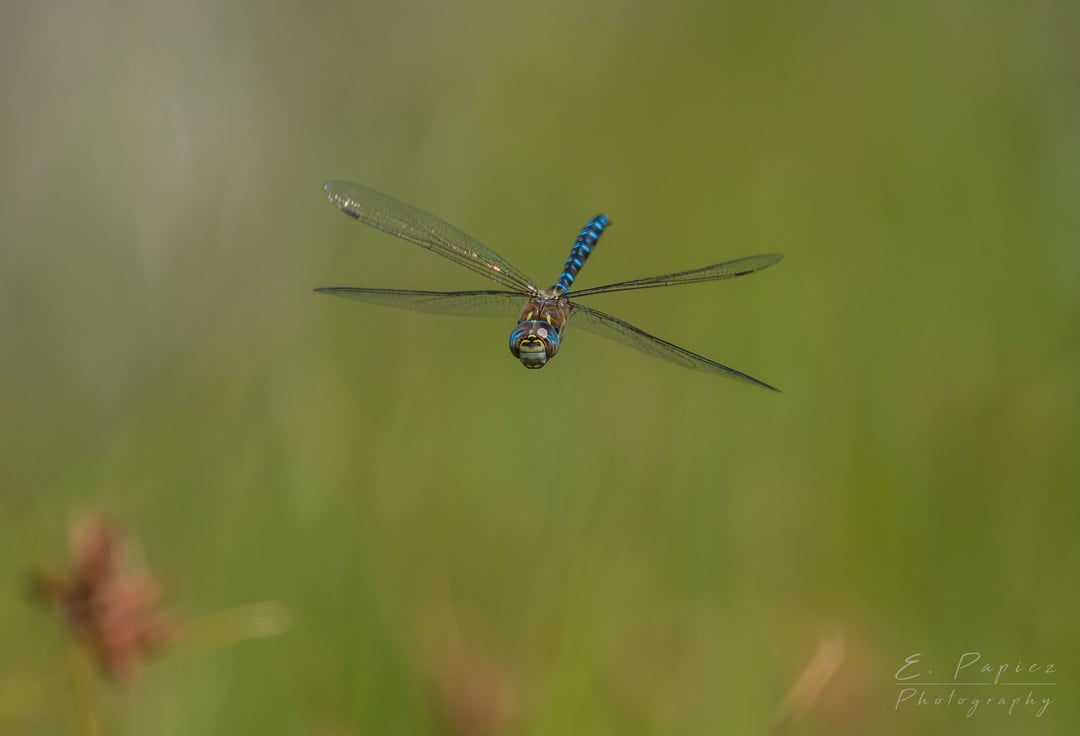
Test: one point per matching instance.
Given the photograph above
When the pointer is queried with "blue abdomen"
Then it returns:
(583, 246)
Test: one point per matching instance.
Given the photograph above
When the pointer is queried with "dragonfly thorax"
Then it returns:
(538, 333)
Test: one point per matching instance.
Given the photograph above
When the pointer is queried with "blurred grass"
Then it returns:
(633, 548)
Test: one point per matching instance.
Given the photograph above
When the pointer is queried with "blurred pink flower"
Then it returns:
(112, 611)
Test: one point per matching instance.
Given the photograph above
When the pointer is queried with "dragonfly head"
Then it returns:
(533, 342)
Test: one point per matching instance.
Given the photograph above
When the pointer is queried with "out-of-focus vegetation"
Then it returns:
(611, 545)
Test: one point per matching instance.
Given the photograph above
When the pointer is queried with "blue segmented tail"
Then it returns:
(583, 246)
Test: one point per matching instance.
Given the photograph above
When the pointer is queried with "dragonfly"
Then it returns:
(543, 319)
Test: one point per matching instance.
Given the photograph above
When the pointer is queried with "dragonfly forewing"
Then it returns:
(613, 328)
(456, 303)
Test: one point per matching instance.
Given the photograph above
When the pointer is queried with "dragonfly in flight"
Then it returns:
(542, 321)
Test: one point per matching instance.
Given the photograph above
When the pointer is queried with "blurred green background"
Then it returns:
(612, 545)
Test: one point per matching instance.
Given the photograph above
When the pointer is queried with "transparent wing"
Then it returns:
(726, 270)
(458, 303)
(408, 223)
(604, 324)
